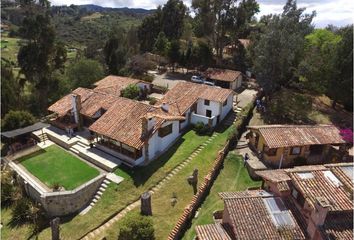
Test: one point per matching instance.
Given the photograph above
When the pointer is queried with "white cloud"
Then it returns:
(336, 12)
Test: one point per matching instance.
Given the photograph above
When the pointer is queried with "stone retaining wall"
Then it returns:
(58, 203)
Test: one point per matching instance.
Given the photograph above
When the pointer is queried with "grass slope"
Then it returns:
(54, 165)
(233, 177)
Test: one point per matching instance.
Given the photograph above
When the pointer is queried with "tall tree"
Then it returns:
(115, 52)
(42, 55)
(149, 30)
(341, 88)
(173, 53)
(161, 44)
(279, 49)
(84, 73)
(173, 16)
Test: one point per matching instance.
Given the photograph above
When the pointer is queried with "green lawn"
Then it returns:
(233, 177)
(136, 181)
(165, 215)
(9, 48)
(54, 165)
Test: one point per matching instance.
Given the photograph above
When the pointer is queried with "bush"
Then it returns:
(8, 188)
(131, 92)
(152, 100)
(201, 129)
(85, 72)
(17, 119)
(136, 227)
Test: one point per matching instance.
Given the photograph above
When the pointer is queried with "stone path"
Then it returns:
(95, 233)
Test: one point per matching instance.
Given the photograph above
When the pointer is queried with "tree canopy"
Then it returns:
(136, 227)
(84, 73)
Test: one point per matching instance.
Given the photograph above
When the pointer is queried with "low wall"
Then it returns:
(200, 118)
(58, 203)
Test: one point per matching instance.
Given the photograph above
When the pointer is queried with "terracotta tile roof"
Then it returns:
(183, 95)
(299, 135)
(250, 219)
(114, 84)
(277, 175)
(318, 185)
(245, 42)
(338, 226)
(122, 121)
(343, 177)
(214, 231)
(225, 75)
(64, 105)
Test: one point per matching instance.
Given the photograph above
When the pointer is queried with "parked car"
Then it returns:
(197, 79)
(209, 83)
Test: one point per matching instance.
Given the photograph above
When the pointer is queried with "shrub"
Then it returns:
(131, 92)
(8, 188)
(17, 119)
(136, 227)
(152, 100)
(201, 129)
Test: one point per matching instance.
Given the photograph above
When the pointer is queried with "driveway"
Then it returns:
(245, 97)
(168, 79)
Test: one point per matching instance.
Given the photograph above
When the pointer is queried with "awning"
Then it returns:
(21, 131)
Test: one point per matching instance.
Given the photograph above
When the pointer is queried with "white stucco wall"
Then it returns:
(158, 145)
(214, 107)
(226, 109)
(200, 118)
(186, 122)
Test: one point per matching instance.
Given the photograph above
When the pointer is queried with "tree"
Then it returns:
(161, 44)
(341, 87)
(239, 57)
(280, 47)
(318, 66)
(173, 16)
(173, 53)
(149, 30)
(204, 54)
(136, 227)
(17, 119)
(139, 65)
(10, 89)
(42, 55)
(131, 92)
(115, 52)
(84, 73)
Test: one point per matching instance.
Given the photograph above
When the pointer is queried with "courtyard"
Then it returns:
(54, 166)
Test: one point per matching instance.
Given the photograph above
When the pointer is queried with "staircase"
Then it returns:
(97, 196)
(230, 119)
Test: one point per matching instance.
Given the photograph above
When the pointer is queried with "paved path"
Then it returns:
(95, 233)
(167, 79)
(245, 97)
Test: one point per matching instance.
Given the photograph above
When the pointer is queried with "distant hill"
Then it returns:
(82, 24)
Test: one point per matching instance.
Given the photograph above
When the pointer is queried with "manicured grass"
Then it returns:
(136, 181)
(54, 165)
(233, 177)
(165, 215)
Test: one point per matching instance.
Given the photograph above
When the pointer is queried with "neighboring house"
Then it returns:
(322, 193)
(135, 132)
(115, 84)
(224, 78)
(308, 202)
(287, 145)
(254, 215)
(198, 103)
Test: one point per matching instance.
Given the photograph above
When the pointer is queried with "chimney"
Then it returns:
(165, 107)
(144, 126)
(76, 104)
(318, 216)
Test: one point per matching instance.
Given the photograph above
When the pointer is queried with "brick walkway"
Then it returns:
(93, 234)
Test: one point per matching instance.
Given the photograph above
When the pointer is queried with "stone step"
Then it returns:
(74, 150)
(104, 185)
(88, 208)
(99, 193)
(97, 197)
(106, 181)
(94, 200)
(102, 189)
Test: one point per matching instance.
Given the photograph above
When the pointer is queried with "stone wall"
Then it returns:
(58, 203)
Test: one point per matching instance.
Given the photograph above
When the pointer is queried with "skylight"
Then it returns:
(305, 175)
(348, 170)
(333, 179)
(279, 213)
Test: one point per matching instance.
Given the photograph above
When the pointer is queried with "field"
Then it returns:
(54, 165)
(9, 48)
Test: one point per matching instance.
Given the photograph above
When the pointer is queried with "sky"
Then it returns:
(336, 12)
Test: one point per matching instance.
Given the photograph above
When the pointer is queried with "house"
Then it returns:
(198, 103)
(132, 131)
(115, 84)
(323, 195)
(224, 78)
(255, 214)
(287, 145)
(136, 132)
(307, 202)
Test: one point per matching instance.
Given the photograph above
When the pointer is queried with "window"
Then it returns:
(206, 102)
(165, 131)
(208, 113)
(305, 175)
(269, 151)
(295, 150)
(278, 212)
(225, 103)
